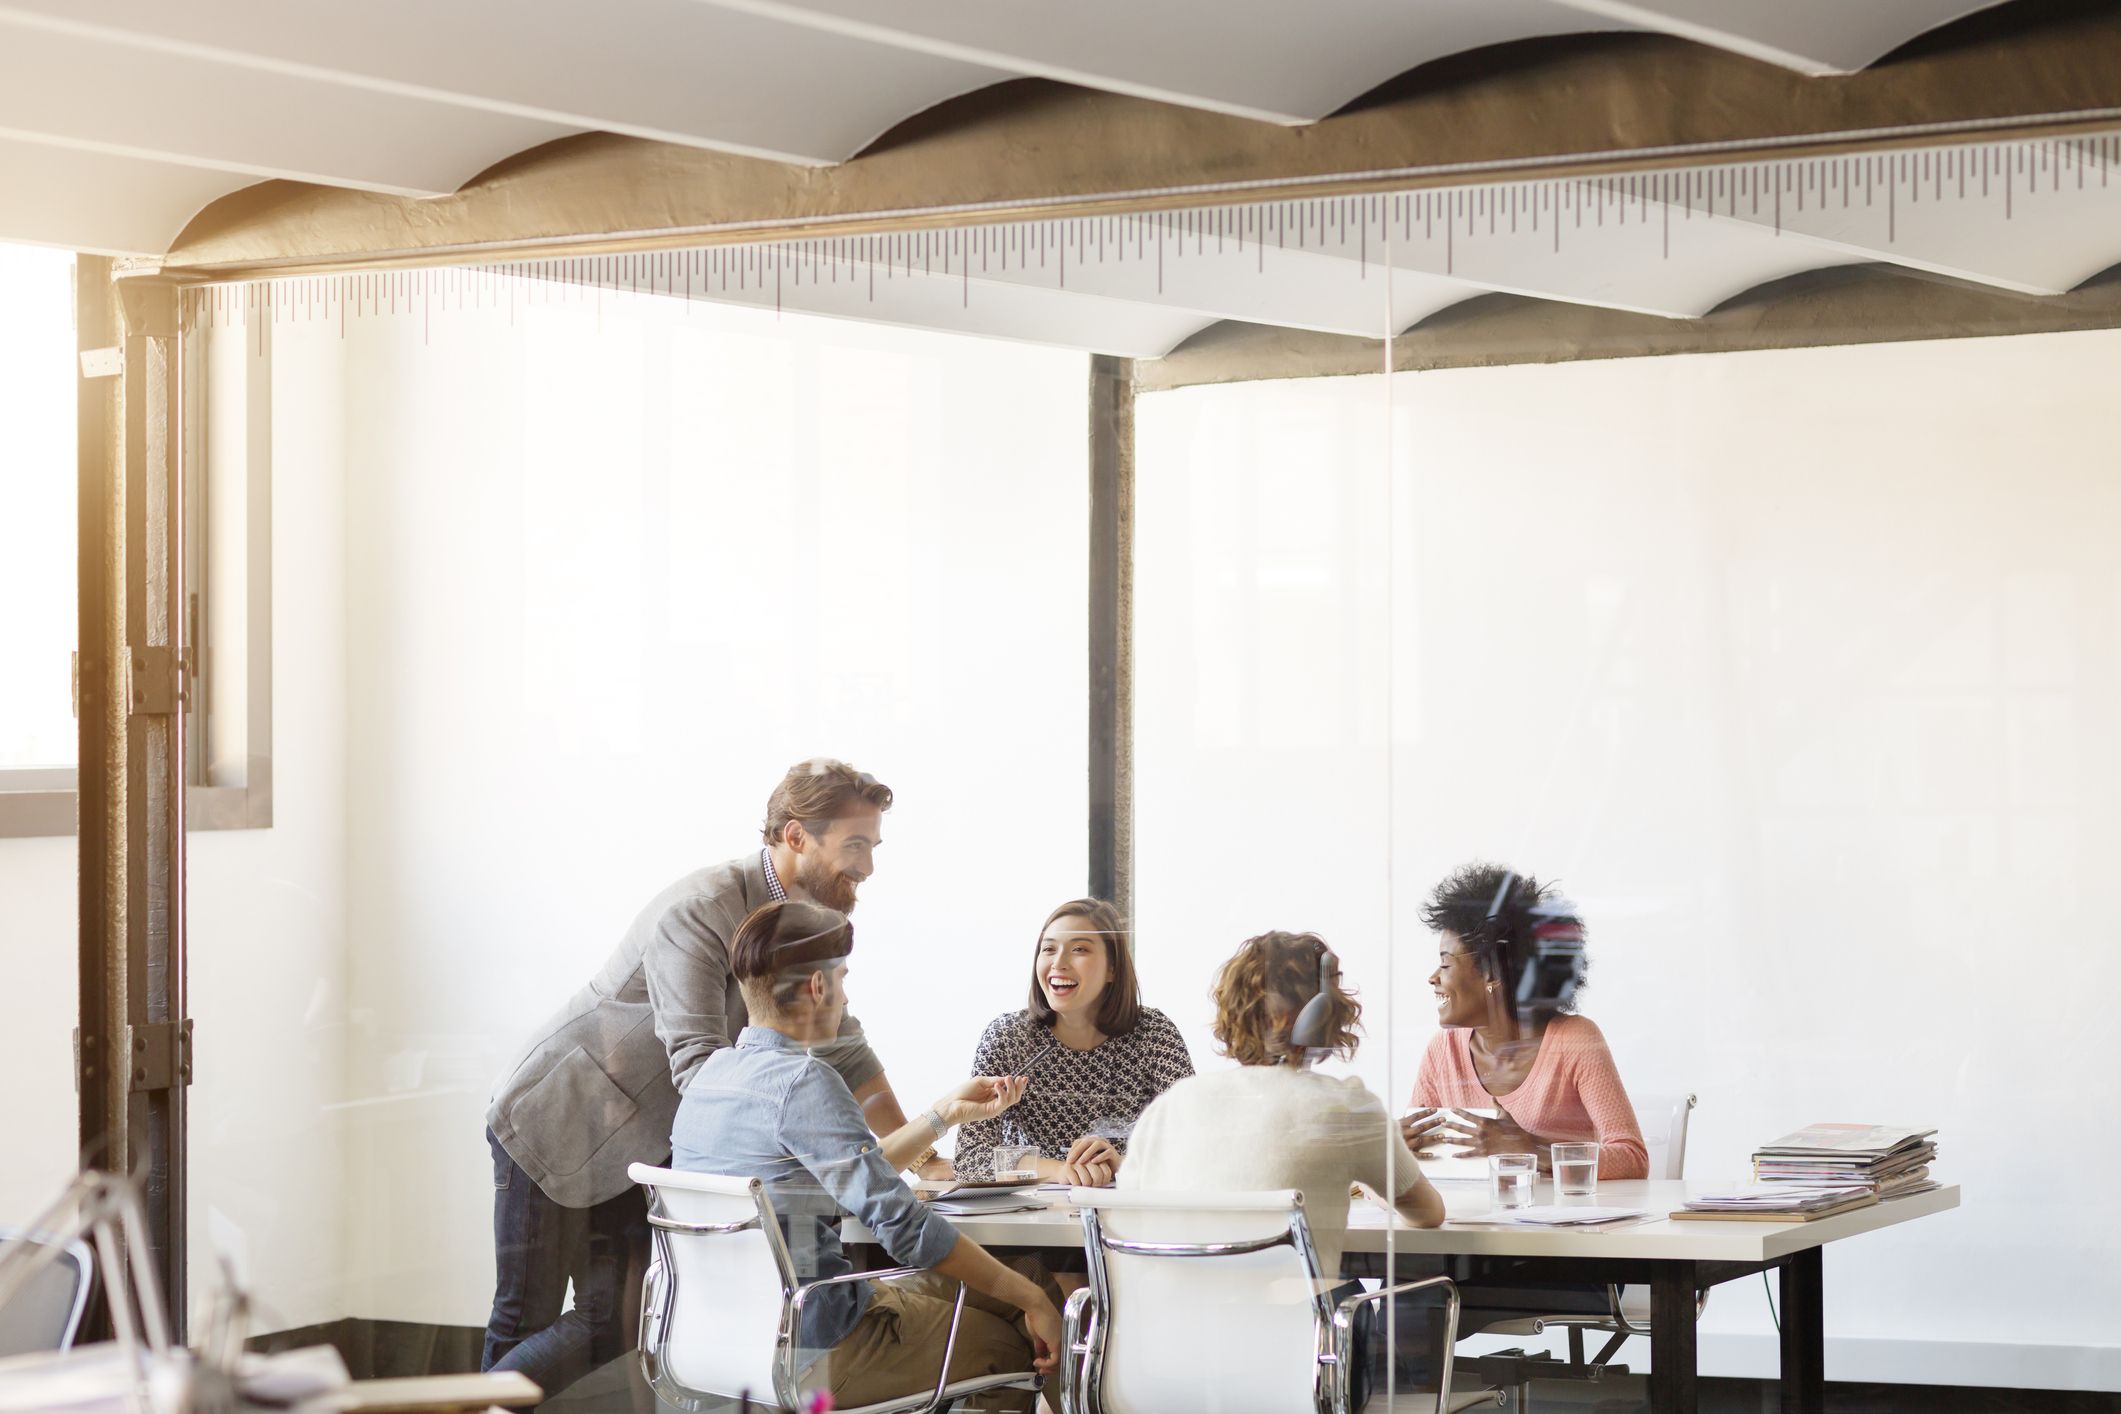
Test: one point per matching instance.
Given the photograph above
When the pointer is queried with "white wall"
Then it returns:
(268, 936)
(37, 951)
(1800, 670)
(37, 1015)
(608, 569)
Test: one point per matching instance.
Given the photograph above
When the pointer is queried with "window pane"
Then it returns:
(36, 507)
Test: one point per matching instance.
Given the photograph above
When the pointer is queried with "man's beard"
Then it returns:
(825, 884)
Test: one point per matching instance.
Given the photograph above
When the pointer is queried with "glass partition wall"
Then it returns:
(37, 902)
(1712, 556)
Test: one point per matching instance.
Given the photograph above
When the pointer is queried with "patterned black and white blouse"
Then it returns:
(1100, 1091)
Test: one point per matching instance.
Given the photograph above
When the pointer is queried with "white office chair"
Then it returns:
(1629, 1306)
(721, 1309)
(1211, 1303)
(46, 1314)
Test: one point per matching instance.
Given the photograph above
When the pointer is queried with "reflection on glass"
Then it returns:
(1770, 656)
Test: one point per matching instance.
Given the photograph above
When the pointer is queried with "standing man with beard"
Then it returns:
(597, 1087)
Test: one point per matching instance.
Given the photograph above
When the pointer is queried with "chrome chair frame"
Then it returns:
(1084, 1322)
(661, 1292)
(72, 1248)
(1614, 1321)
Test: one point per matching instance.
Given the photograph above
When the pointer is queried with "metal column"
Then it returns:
(1111, 631)
(134, 1045)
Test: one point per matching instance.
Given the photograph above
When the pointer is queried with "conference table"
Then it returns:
(1674, 1259)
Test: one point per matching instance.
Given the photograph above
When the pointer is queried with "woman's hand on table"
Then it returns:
(1093, 1149)
(1473, 1136)
(937, 1169)
(1082, 1175)
(981, 1097)
(1419, 1128)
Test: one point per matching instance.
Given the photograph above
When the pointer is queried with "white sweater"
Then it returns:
(1272, 1126)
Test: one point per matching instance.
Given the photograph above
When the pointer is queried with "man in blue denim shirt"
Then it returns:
(771, 1107)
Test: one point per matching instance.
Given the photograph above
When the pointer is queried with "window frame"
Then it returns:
(42, 802)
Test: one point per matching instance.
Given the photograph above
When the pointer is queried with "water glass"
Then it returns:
(1016, 1163)
(1510, 1179)
(1575, 1170)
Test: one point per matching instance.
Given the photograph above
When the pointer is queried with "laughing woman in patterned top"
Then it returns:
(1095, 1055)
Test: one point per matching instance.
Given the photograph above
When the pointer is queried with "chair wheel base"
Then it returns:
(1516, 1367)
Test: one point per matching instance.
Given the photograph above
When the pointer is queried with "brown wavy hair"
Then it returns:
(1119, 1006)
(1262, 988)
(816, 792)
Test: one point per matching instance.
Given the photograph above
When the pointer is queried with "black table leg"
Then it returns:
(1803, 1335)
(1672, 1358)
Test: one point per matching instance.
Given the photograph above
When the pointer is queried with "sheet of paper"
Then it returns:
(1554, 1215)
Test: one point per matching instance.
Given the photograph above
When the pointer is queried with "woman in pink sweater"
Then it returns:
(1510, 957)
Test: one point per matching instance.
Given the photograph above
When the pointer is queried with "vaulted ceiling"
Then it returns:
(121, 120)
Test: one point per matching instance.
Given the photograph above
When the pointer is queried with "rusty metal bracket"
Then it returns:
(159, 684)
(159, 1054)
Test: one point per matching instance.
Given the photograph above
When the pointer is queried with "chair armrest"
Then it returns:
(655, 1288)
(1343, 1352)
(843, 1278)
(1611, 1319)
(1075, 1352)
(792, 1332)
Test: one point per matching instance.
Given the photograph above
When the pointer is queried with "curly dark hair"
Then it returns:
(1500, 917)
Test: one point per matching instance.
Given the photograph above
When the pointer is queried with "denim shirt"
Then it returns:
(766, 1108)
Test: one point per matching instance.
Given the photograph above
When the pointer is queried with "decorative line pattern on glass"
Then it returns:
(2036, 216)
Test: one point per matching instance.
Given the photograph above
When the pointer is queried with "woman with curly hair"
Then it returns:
(1274, 1122)
(1509, 962)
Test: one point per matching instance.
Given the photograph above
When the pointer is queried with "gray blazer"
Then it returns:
(597, 1087)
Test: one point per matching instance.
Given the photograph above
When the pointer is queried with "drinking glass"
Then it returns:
(1016, 1163)
(1510, 1179)
(1575, 1170)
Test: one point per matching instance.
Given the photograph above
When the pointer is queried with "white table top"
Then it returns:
(1659, 1239)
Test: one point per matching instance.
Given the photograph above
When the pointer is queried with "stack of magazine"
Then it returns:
(1891, 1162)
(1779, 1202)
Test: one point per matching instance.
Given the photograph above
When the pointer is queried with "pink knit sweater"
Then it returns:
(1573, 1092)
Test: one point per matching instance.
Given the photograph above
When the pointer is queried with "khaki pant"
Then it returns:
(896, 1349)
